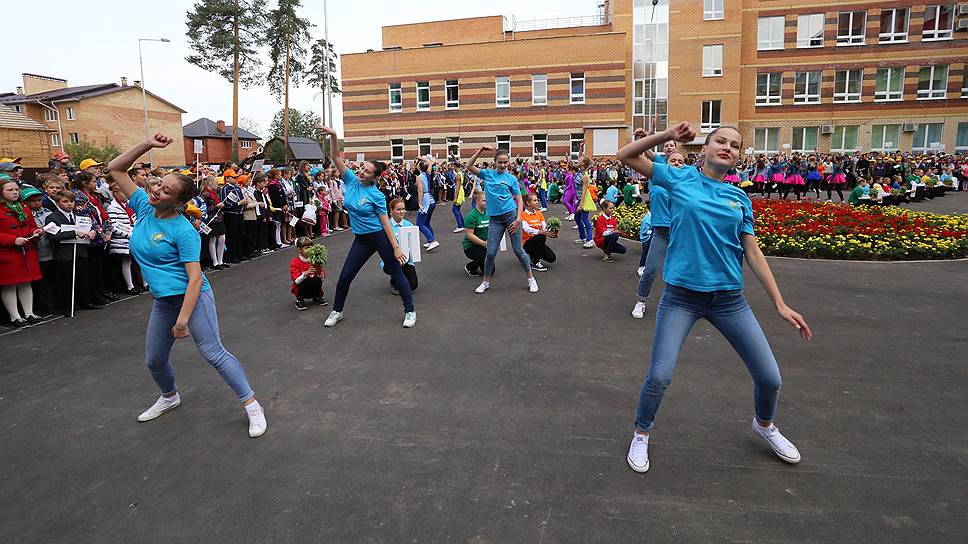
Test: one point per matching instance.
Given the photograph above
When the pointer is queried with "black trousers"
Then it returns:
(476, 254)
(409, 271)
(44, 302)
(234, 237)
(251, 238)
(612, 245)
(309, 288)
(82, 283)
(537, 248)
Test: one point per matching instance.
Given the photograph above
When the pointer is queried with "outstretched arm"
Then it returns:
(470, 163)
(632, 154)
(334, 153)
(760, 266)
(118, 167)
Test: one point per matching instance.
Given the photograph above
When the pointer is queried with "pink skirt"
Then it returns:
(759, 178)
(795, 179)
(731, 178)
(777, 178)
(838, 179)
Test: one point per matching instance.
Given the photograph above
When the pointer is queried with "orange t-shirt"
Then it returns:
(534, 219)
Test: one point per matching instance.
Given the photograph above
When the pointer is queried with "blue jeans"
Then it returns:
(364, 246)
(455, 209)
(653, 261)
(423, 223)
(585, 231)
(543, 198)
(495, 232)
(203, 324)
(645, 253)
(678, 311)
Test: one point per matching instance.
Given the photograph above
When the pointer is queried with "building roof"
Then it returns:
(11, 119)
(206, 128)
(302, 148)
(77, 93)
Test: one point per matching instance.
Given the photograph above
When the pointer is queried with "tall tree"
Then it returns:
(223, 36)
(287, 36)
(300, 124)
(323, 57)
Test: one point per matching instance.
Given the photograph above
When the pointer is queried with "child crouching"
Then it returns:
(307, 278)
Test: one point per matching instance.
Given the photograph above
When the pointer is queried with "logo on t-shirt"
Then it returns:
(733, 204)
(362, 200)
(157, 238)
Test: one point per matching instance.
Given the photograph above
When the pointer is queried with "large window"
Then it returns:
(768, 89)
(71, 114)
(810, 30)
(578, 88)
(851, 27)
(576, 141)
(964, 83)
(932, 82)
(712, 60)
(502, 92)
(50, 115)
(847, 85)
(396, 151)
(396, 97)
(539, 145)
(423, 147)
(961, 139)
(806, 88)
(453, 147)
(452, 94)
(55, 140)
(503, 141)
(423, 95)
(894, 25)
(539, 89)
(805, 138)
(769, 33)
(938, 22)
(712, 10)
(885, 137)
(927, 137)
(711, 115)
(844, 139)
(245, 144)
(889, 84)
(766, 140)
(73, 138)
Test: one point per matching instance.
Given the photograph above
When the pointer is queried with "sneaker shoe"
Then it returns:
(539, 267)
(458, 229)
(320, 301)
(579, 241)
(533, 285)
(484, 286)
(608, 259)
(409, 319)
(570, 217)
(641, 271)
(333, 319)
(543, 209)
(574, 226)
(433, 245)
(589, 244)
(783, 448)
(162, 405)
(638, 457)
(301, 305)
(638, 312)
(393, 290)
(257, 419)
(471, 273)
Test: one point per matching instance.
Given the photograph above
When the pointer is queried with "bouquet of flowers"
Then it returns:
(553, 224)
(317, 255)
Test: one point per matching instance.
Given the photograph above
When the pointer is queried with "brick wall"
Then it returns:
(216, 150)
(32, 145)
(456, 31)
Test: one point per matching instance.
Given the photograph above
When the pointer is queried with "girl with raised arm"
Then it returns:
(711, 234)
(372, 233)
(167, 248)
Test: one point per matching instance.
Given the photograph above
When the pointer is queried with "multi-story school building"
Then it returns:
(793, 76)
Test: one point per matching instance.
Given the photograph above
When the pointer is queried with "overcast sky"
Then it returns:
(89, 43)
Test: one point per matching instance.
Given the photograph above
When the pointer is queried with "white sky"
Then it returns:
(97, 42)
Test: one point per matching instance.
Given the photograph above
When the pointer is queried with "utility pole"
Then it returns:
(329, 96)
(285, 107)
(235, 87)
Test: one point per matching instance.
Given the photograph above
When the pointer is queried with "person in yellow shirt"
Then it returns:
(535, 235)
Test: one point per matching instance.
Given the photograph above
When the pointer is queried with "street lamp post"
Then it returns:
(144, 94)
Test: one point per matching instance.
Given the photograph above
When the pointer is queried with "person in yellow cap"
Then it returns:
(101, 187)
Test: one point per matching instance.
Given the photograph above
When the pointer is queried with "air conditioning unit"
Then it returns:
(826, 129)
(909, 127)
(962, 24)
(962, 9)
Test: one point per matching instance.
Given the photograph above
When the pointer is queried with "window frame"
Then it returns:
(421, 142)
(535, 140)
(574, 98)
(502, 138)
(962, 131)
(452, 141)
(843, 138)
(848, 97)
(399, 94)
(425, 87)
(803, 132)
(452, 104)
(51, 115)
(771, 40)
(55, 140)
(881, 146)
(19, 108)
(769, 99)
(894, 36)
(766, 139)
(806, 97)
(573, 152)
(535, 78)
(245, 144)
(73, 137)
(939, 34)
(71, 113)
(710, 11)
(707, 122)
(811, 18)
(931, 93)
(850, 39)
(396, 159)
(502, 81)
(889, 95)
(711, 70)
(926, 139)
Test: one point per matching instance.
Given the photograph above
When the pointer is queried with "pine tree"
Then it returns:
(223, 36)
(287, 36)
(323, 54)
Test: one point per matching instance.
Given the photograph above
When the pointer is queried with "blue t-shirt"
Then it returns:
(659, 200)
(611, 194)
(427, 199)
(645, 228)
(708, 218)
(500, 190)
(162, 247)
(396, 234)
(364, 204)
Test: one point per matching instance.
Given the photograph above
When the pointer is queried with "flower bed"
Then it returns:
(824, 230)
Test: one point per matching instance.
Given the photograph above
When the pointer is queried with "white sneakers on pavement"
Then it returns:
(638, 457)
(783, 448)
(433, 245)
(334, 318)
(532, 285)
(641, 270)
(638, 312)
(162, 405)
(257, 419)
(409, 319)
(589, 244)
(458, 229)
(484, 286)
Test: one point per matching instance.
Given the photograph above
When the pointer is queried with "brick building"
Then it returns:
(21, 136)
(102, 114)
(801, 76)
(216, 140)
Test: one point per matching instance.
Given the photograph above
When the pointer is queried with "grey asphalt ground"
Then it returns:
(500, 418)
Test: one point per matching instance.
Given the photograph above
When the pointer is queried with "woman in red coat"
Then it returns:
(18, 255)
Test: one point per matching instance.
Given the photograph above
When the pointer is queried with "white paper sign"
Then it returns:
(504, 243)
(234, 197)
(294, 221)
(297, 204)
(51, 228)
(204, 228)
(198, 146)
(360, 157)
(410, 243)
(81, 224)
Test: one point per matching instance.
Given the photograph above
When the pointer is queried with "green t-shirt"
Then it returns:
(855, 195)
(477, 221)
(554, 191)
(627, 194)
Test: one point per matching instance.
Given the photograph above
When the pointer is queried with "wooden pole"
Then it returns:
(235, 87)
(285, 108)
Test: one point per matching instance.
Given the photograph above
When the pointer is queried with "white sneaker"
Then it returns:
(162, 405)
(533, 285)
(574, 226)
(433, 245)
(579, 241)
(333, 319)
(409, 319)
(544, 209)
(641, 270)
(571, 217)
(484, 286)
(639, 311)
(257, 419)
(783, 448)
(589, 244)
(638, 457)
(458, 229)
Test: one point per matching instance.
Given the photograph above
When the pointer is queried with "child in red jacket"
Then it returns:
(606, 232)
(307, 280)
